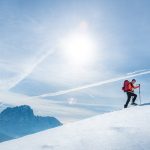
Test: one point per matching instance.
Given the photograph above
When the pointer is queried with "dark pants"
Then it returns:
(129, 95)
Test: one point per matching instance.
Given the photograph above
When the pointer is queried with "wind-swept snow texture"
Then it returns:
(127, 129)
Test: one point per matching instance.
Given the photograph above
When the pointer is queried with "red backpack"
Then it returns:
(125, 87)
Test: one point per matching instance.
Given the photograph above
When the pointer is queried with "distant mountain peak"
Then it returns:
(20, 120)
(17, 112)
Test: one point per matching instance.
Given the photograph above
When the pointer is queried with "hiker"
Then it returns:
(129, 89)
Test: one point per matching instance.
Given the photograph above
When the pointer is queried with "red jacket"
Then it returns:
(131, 87)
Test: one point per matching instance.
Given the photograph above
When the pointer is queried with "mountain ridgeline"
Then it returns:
(20, 121)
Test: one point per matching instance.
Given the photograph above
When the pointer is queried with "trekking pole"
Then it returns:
(140, 93)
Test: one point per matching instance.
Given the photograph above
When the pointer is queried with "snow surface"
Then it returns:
(127, 129)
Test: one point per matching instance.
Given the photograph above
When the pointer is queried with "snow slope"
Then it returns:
(127, 129)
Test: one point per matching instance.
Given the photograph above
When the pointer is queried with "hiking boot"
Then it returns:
(125, 106)
(134, 104)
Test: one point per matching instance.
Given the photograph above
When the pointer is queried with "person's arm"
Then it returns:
(135, 87)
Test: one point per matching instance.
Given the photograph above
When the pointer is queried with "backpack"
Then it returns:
(125, 87)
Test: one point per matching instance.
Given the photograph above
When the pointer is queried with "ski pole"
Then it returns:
(140, 93)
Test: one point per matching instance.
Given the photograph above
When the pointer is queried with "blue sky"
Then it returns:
(34, 62)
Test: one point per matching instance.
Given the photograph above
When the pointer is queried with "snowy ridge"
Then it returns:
(127, 129)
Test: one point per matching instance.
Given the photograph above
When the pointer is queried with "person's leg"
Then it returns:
(134, 97)
(128, 99)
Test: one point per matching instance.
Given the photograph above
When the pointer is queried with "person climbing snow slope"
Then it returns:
(129, 89)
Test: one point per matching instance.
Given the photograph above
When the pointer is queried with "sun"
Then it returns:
(78, 48)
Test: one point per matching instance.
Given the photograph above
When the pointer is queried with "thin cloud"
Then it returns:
(13, 82)
(92, 85)
(48, 108)
(130, 73)
(22, 74)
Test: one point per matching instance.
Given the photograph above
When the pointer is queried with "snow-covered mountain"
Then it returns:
(19, 121)
(126, 129)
